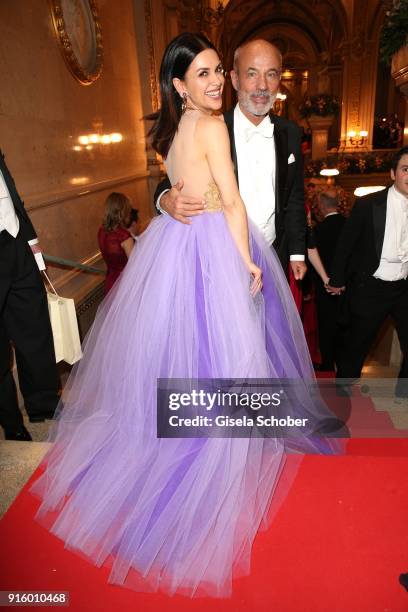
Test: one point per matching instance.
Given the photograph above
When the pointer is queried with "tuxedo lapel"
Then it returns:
(26, 227)
(379, 217)
(15, 198)
(281, 155)
(229, 121)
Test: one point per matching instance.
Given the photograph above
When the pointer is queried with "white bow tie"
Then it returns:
(265, 130)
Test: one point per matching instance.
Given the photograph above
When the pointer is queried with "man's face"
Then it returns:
(256, 79)
(400, 176)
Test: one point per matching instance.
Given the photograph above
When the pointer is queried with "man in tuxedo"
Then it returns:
(371, 260)
(328, 306)
(266, 152)
(24, 318)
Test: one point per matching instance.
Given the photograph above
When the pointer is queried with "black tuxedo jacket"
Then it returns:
(27, 231)
(359, 247)
(290, 217)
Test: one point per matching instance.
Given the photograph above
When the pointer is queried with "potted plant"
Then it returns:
(319, 105)
(319, 110)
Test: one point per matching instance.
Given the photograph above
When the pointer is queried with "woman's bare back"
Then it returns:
(186, 159)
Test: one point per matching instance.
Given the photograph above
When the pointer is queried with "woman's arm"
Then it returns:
(314, 258)
(127, 245)
(212, 136)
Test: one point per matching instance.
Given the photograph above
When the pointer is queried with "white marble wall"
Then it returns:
(43, 112)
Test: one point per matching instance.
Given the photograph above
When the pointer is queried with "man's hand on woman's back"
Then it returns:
(179, 206)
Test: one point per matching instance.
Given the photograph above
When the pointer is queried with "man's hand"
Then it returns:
(334, 290)
(179, 206)
(299, 269)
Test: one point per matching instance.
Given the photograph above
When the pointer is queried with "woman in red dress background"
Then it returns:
(114, 239)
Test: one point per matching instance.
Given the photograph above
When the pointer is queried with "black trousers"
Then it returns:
(371, 302)
(25, 322)
(330, 333)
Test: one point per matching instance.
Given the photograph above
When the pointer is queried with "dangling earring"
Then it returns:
(184, 103)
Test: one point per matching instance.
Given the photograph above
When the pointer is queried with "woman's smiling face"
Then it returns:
(203, 82)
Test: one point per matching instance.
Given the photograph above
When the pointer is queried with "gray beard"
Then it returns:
(258, 113)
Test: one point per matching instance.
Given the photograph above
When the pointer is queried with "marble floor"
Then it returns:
(18, 460)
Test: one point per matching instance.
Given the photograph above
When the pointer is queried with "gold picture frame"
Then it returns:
(78, 31)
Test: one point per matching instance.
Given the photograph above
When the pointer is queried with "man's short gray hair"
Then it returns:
(328, 200)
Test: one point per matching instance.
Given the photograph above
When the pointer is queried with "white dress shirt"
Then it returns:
(255, 147)
(8, 218)
(256, 161)
(394, 255)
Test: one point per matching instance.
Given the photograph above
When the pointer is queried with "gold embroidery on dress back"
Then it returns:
(213, 198)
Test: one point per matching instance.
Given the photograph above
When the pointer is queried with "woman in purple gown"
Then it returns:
(178, 515)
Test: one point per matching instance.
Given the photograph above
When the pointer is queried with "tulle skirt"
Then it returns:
(176, 515)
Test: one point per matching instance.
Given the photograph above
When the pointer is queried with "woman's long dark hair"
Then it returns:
(176, 60)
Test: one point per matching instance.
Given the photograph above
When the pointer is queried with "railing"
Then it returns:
(72, 264)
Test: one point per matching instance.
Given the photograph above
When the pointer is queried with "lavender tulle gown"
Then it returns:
(175, 515)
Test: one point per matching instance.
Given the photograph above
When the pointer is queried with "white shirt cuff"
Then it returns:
(297, 258)
(159, 208)
(40, 261)
(33, 241)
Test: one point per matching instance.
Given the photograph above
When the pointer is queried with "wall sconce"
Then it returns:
(79, 180)
(357, 140)
(362, 191)
(88, 141)
(330, 173)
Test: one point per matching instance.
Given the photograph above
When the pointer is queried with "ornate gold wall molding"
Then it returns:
(210, 19)
(360, 60)
(152, 62)
(92, 300)
(399, 69)
(79, 35)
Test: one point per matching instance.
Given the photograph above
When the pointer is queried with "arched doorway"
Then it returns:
(309, 34)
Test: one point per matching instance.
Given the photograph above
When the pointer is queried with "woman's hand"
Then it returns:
(256, 274)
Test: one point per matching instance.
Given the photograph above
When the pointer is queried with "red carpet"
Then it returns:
(338, 544)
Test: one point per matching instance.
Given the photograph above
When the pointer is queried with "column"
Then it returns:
(399, 71)
(320, 133)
